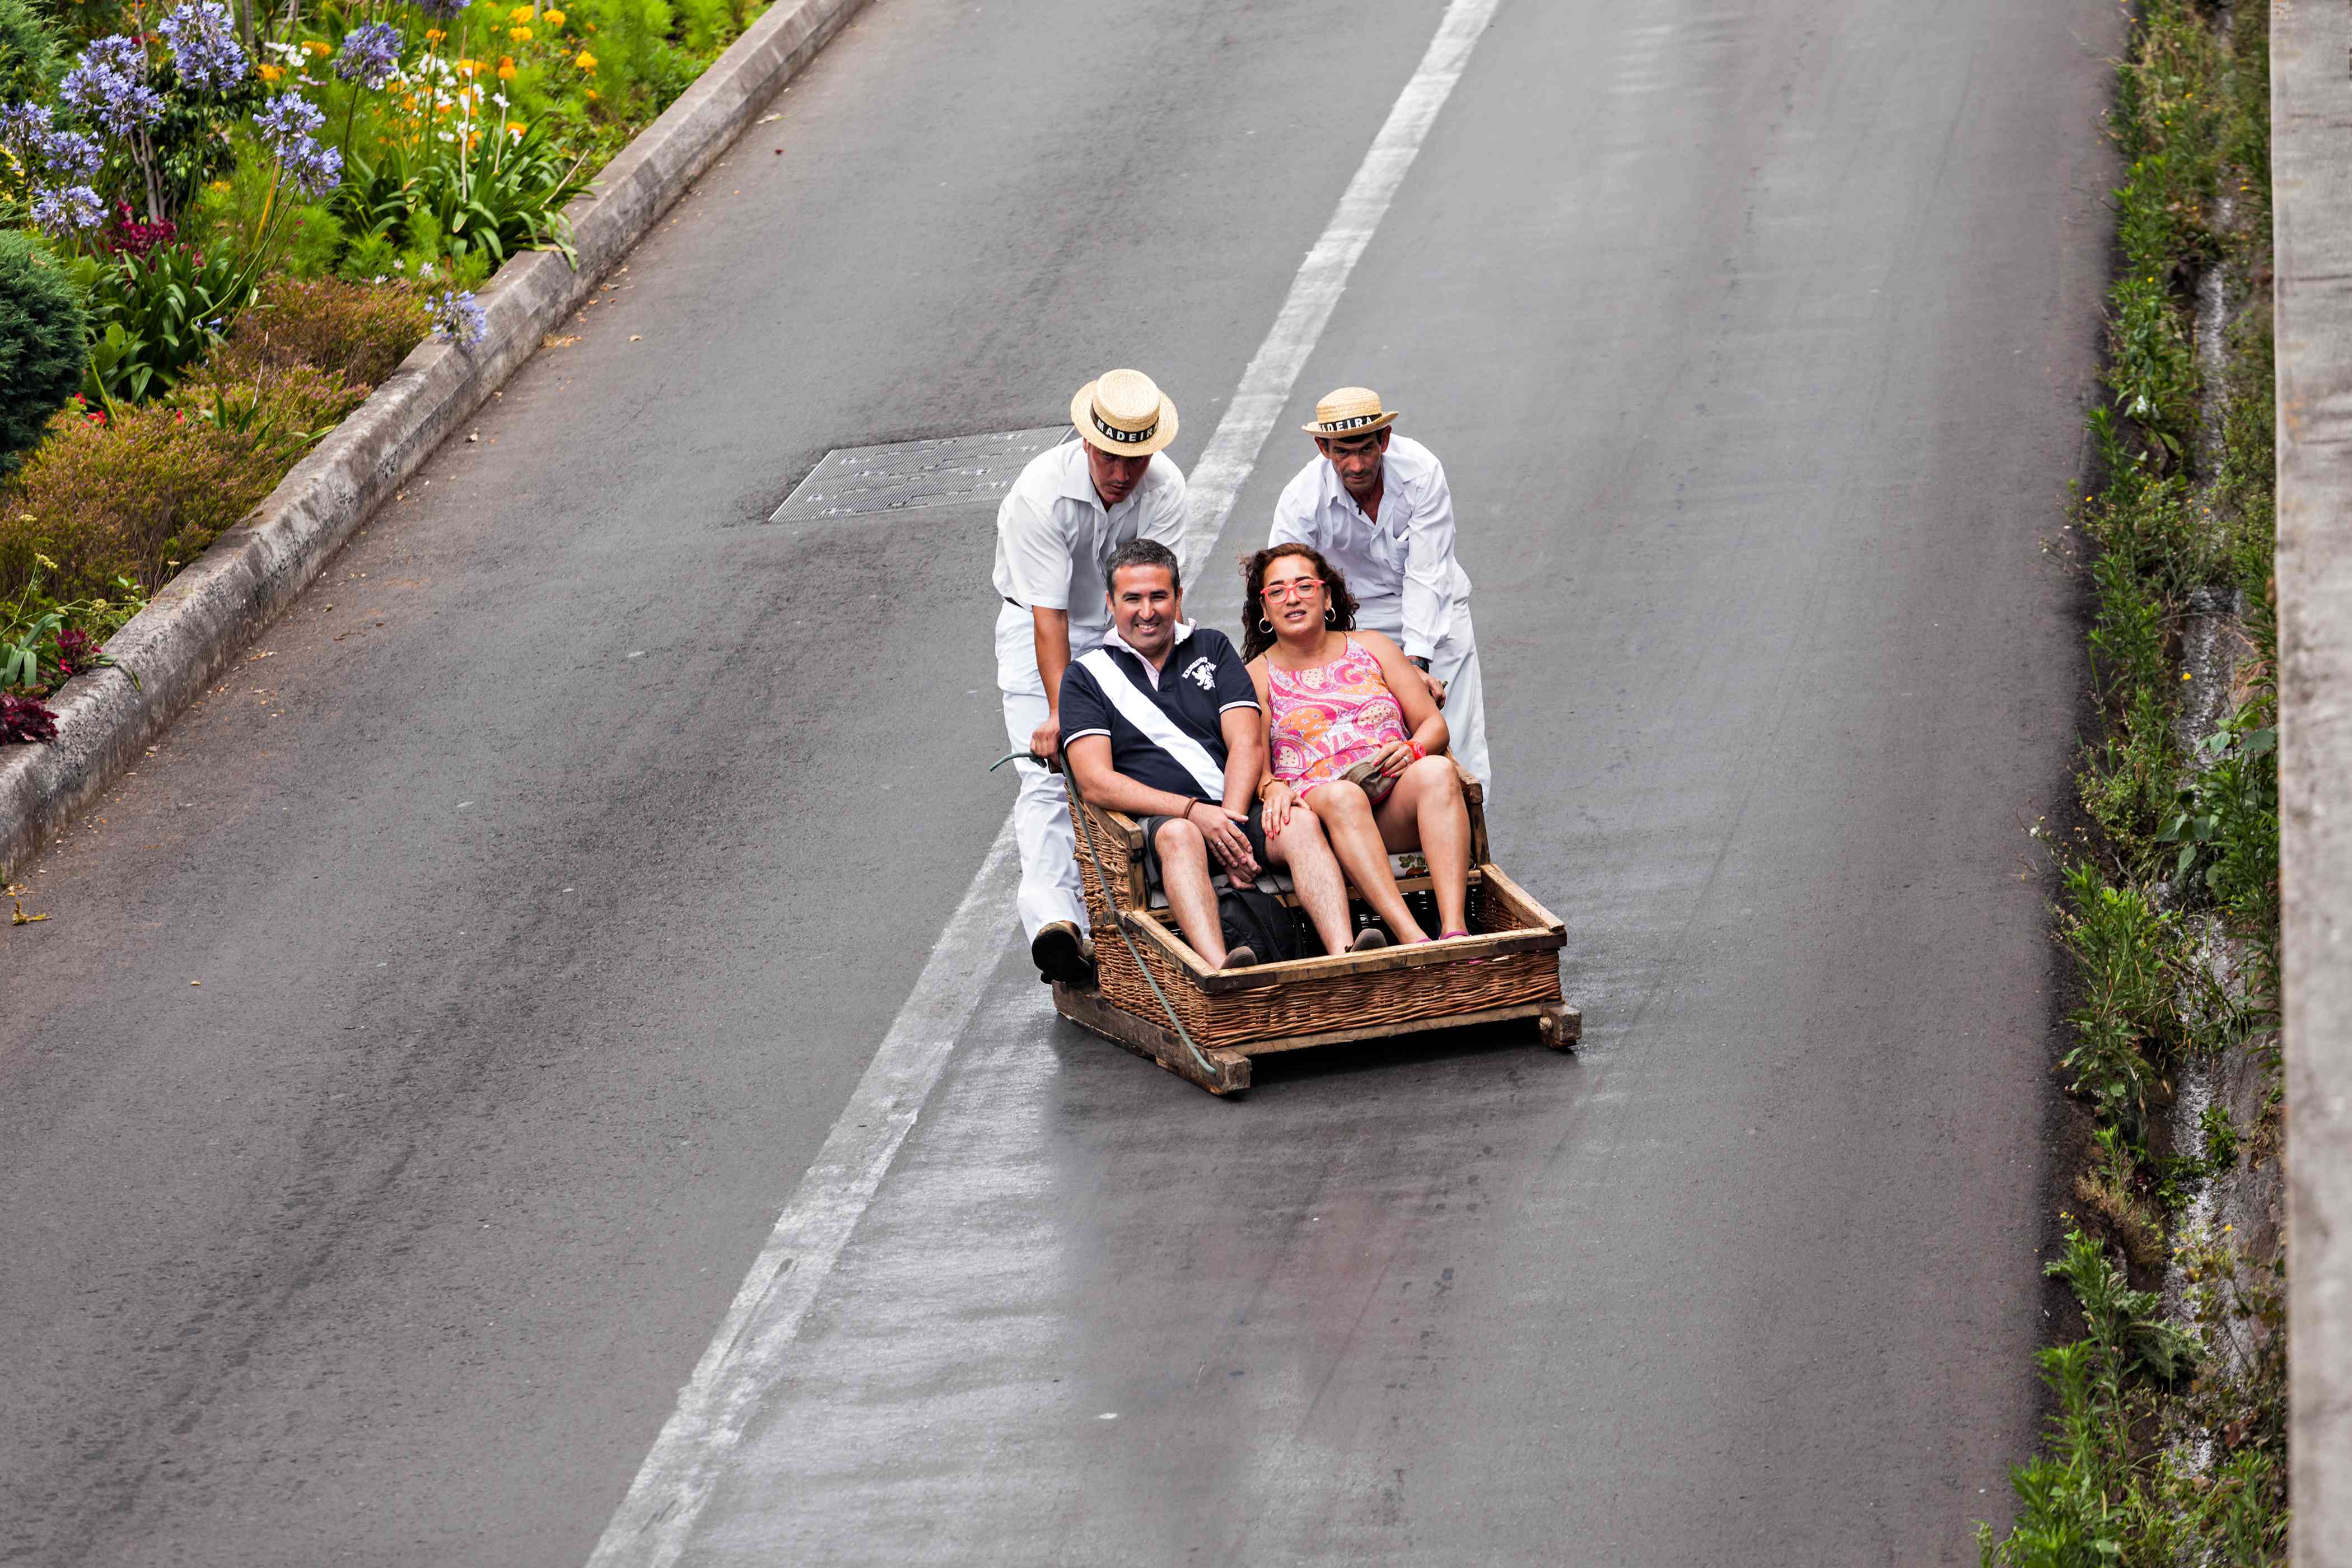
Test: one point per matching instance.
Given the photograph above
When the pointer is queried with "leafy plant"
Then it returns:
(2153, 368)
(2126, 953)
(503, 194)
(24, 721)
(157, 315)
(2226, 817)
(29, 56)
(42, 325)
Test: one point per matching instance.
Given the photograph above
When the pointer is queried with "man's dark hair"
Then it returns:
(1143, 552)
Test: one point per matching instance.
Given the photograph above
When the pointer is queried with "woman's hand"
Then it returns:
(1395, 757)
(1274, 814)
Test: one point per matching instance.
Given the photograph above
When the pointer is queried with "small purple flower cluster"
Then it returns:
(24, 720)
(370, 53)
(109, 83)
(460, 317)
(203, 45)
(442, 10)
(62, 164)
(288, 126)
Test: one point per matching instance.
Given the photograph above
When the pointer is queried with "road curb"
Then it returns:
(203, 616)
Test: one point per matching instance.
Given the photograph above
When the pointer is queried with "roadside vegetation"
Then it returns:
(2167, 1444)
(223, 222)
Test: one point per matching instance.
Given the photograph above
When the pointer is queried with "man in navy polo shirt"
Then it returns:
(1161, 723)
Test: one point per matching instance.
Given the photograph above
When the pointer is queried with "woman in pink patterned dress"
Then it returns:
(1338, 701)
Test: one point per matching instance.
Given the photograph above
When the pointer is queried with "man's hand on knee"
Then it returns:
(1226, 840)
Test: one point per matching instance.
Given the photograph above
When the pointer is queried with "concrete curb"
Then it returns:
(210, 611)
(2311, 162)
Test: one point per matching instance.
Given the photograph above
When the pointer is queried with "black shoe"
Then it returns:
(1062, 952)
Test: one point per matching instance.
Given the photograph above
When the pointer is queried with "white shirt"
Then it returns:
(1053, 536)
(1401, 568)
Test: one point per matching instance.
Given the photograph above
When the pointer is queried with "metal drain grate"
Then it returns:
(865, 481)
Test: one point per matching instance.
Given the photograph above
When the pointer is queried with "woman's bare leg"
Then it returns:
(1347, 817)
(1302, 850)
(1425, 811)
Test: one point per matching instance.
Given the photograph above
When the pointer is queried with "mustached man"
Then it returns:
(1070, 509)
(1376, 505)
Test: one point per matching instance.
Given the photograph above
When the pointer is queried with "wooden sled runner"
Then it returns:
(1234, 1014)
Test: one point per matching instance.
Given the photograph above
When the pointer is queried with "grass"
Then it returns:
(2166, 1444)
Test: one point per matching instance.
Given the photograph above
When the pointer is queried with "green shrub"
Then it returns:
(30, 58)
(151, 488)
(349, 331)
(155, 315)
(2127, 956)
(42, 328)
(2153, 370)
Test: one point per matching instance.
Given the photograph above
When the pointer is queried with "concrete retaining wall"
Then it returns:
(2311, 152)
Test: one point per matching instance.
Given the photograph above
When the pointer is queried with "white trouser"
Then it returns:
(1041, 813)
(1455, 663)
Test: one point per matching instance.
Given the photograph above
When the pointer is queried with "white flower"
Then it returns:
(398, 265)
(425, 269)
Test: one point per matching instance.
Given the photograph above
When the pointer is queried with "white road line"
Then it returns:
(747, 1355)
(1217, 478)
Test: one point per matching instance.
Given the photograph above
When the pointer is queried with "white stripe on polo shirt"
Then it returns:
(1148, 716)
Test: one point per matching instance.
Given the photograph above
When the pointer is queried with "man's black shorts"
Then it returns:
(1253, 828)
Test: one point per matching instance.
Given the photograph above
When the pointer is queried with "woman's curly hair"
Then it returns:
(1258, 632)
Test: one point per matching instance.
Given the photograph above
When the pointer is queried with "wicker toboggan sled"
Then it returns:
(1233, 1014)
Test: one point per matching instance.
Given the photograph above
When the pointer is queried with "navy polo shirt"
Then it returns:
(1202, 678)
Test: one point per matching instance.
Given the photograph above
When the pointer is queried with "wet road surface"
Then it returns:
(551, 880)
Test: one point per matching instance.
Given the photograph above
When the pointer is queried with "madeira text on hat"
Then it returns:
(1125, 413)
(1351, 412)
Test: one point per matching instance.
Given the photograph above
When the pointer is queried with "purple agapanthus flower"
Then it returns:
(370, 53)
(68, 210)
(22, 126)
(109, 83)
(288, 122)
(285, 127)
(460, 317)
(70, 155)
(316, 169)
(442, 10)
(203, 45)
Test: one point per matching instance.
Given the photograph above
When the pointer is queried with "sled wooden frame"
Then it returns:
(1335, 999)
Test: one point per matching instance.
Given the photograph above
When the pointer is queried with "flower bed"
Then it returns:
(220, 230)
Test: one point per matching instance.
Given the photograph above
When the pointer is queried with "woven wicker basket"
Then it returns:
(1239, 1013)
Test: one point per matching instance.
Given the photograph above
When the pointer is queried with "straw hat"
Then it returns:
(1123, 413)
(1351, 412)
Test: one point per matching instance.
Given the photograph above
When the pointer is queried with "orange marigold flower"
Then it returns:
(586, 61)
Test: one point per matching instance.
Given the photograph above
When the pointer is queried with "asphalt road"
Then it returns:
(426, 1036)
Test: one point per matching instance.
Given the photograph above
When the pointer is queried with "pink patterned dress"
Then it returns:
(1329, 718)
